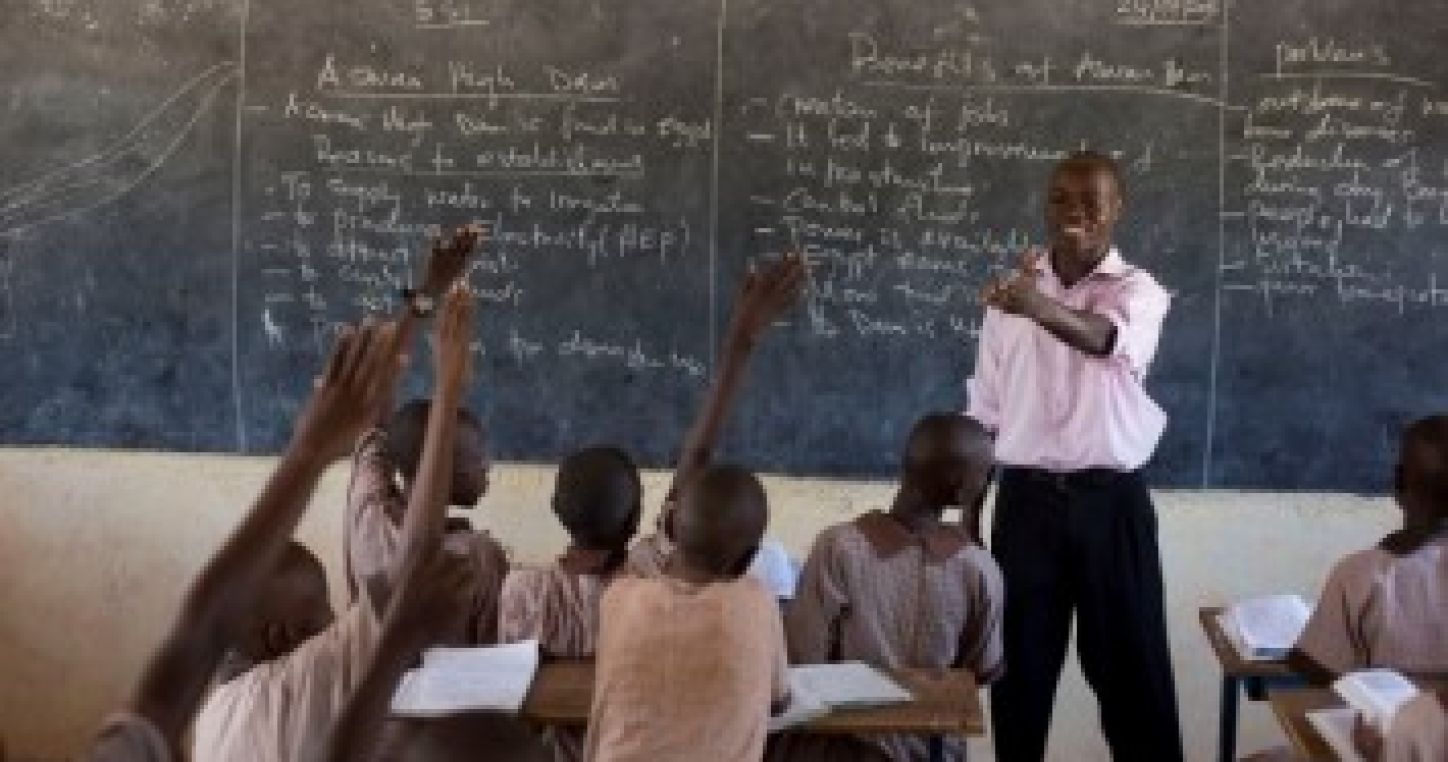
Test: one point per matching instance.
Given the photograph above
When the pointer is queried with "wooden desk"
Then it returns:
(1239, 674)
(947, 703)
(1291, 706)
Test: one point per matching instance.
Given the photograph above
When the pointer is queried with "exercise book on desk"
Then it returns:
(457, 680)
(1265, 629)
(1375, 694)
(818, 689)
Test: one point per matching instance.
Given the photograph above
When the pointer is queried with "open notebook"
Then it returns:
(1376, 694)
(1265, 629)
(817, 689)
(457, 680)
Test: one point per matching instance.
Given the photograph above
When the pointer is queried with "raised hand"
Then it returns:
(359, 373)
(766, 294)
(450, 256)
(1017, 294)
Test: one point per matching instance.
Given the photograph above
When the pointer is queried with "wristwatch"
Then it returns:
(419, 303)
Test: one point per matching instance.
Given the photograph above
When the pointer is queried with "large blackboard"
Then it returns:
(194, 193)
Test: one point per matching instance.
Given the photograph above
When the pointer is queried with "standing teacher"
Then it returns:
(1064, 348)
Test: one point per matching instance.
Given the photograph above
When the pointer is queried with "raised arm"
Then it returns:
(762, 298)
(446, 265)
(361, 365)
(1083, 330)
(434, 591)
(426, 517)
(433, 599)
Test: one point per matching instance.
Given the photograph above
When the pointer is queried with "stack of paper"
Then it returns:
(1265, 629)
(1375, 694)
(456, 680)
(817, 689)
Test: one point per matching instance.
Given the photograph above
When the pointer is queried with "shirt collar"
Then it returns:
(590, 562)
(889, 537)
(1112, 266)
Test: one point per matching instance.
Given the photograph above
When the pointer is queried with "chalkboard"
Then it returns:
(194, 193)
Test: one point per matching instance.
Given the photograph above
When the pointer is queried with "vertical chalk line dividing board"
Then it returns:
(194, 193)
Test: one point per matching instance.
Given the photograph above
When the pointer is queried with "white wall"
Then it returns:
(97, 547)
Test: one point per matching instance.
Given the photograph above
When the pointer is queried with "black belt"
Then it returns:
(1086, 478)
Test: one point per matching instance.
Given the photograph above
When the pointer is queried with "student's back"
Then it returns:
(1387, 606)
(875, 591)
(686, 671)
(1381, 609)
(691, 662)
(902, 589)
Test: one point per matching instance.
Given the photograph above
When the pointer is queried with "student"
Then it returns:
(362, 364)
(902, 588)
(291, 691)
(690, 663)
(435, 592)
(762, 298)
(391, 452)
(598, 498)
(1384, 606)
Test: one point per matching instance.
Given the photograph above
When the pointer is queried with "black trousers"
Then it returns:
(1082, 543)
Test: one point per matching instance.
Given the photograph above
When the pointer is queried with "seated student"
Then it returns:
(691, 663)
(598, 498)
(435, 592)
(390, 453)
(362, 364)
(293, 680)
(1384, 606)
(763, 297)
(903, 589)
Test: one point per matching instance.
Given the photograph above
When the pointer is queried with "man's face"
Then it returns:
(1083, 205)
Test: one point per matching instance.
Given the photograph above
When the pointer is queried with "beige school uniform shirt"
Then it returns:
(282, 710)
(685, 672)
(558, 607)
(1419, 732)
(372, 544)
(128, 737)
(1382, 610)
(875, 591)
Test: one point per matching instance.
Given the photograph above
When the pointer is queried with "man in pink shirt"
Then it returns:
(1064, 349)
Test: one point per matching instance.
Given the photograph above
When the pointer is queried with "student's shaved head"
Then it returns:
(292, 607)
(947, 453)
(598, 497)
(1423, 463)
(721, 518)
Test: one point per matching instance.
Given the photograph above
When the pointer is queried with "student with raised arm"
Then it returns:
(691, 662)
(385, 463)
(904, 589)
(281, 702)
(435, 590)
(362, 365)
(762, 298)
(1387, 606)
(1065, 346)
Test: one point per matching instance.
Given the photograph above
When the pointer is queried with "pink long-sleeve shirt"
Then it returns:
(1056, 408)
